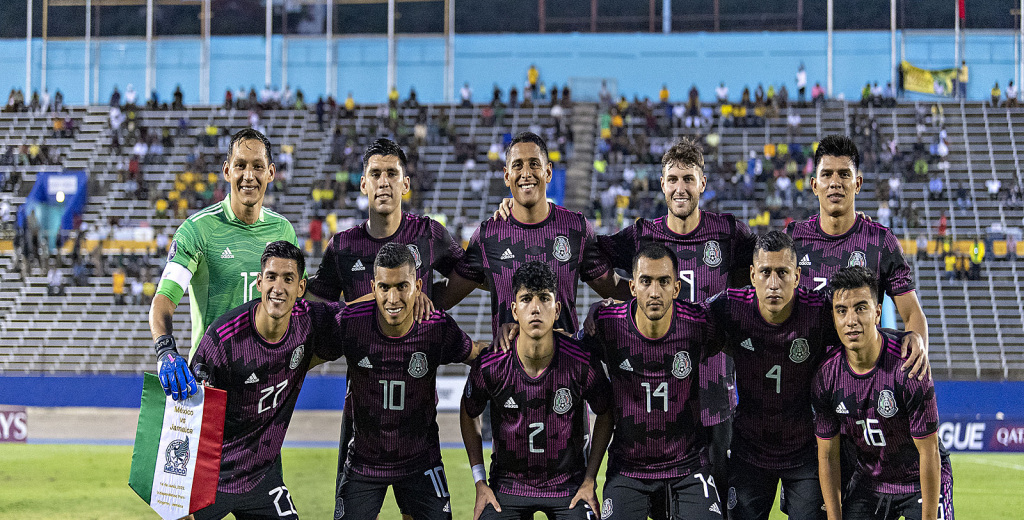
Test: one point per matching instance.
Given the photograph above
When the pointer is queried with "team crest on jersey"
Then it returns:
(297, 357)
(415, 254)
(732, 499)
(799, 351)
(606, 509)
(681, 365)
(339, 508)
(712, 253)
(857, 258)
(418, 365)
(177, 457)
(561, 251)
(172, 250)
(886, 404)
(563, 401)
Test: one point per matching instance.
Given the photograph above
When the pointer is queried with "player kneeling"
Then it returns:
(260, 352)
(861, 392)
(539, 391)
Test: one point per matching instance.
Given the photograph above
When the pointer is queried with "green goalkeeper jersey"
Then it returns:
(217, 256)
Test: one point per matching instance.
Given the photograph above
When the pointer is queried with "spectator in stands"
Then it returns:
(177, 99)
(922, 247)
(229, 101)
(532, 77)
(941, 228)
(1011, 246)
(117, 286)
(130, 97)
(1011, 95)
(993, 186)
(136, 292)
(722, 94)
(884, 214)
(801, 84)
(962, 197)
(115, 98)
(817, 94)
(952, 266)
(466, 93)
(977, 257)
(54, 280)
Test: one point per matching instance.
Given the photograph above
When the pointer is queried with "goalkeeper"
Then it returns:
(216, 255)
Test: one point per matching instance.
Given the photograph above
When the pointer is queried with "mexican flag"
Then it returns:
(176, 460)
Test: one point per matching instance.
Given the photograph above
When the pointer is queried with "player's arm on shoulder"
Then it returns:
(611, 285)
(829, 476)
(328, 330)
(455, 290)
(916, 345)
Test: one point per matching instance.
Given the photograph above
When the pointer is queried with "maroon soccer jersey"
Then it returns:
(540, 425)
(866, 244)
(393, 390)
(717, 251)
(262, 380)
(564, 240)
(347, 266)
(882, 411)
(665, 393)
(774, 423)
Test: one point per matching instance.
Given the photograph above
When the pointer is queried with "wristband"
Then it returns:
(164, 344)
(479, 473)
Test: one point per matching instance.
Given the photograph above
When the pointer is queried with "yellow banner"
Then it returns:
(936, 82)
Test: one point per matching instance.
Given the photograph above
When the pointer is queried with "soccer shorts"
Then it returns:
(423, 496)
(270, 499)
(752, 491)
(522, 508)
(693, 497)
(863, 504)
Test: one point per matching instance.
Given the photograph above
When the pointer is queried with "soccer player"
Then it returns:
(259, 353)
(539, 394)
(838, 237)
(537, 230)
(861, 392)
(666, 396)
(392, 370)
(216, 254)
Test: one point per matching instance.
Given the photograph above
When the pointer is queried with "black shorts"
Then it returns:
(423, 496)
(864, 504)
(522, 508)
(752, 491)
(693, 497)
(270, 499)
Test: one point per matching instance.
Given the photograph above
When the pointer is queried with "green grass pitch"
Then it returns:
(90, 482)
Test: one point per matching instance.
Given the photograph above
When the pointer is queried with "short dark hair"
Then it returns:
(657, 251)
(284, 249)
(855, 277)
(393, 255)
(686, 153)
(384, 147)
(535, 277)
(774, 241)
(837, 146)
(528, 137)
(247, 134)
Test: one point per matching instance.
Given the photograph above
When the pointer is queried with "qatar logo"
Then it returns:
(799, 351)
(297, 357)
(606, 509)
(857, 259)
(561, 251)
(172, 250)
(418, 365)
(732, 498)
(177, 457)
(712, 253)
(339, 509)
(681, 365)
(886, 404)
(563, 401)
(415, 254)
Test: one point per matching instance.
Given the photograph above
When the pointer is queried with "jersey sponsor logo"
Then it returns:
(732, 499)
(177, 457)
(886, 404)
(358, 266)
(626, 366)
(799, 351)
(712, 253)
(747, 344)
(415, 254)
(511, 404)
(297, 357)
(226, 254)
(171, 251)
(857, 258)
(842, 408)
(365, 363)
(252, 379)
(606, 509)
(806, 260)
(561, 251)
(507, 255)
(681, 364)
(563, 401)
(339, 509)
(715, 509)
(418, 365)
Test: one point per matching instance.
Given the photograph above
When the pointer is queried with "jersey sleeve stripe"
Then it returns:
(231, 324)
(178, 274)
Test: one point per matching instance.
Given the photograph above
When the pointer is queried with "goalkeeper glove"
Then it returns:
(175, 376)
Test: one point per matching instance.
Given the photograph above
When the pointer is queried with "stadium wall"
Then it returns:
(640, 63)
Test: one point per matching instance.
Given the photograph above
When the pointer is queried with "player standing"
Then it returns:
(539, 394)
(216, 255)
(666, 396)
(392, 370)
(259, 353)
(861, 392)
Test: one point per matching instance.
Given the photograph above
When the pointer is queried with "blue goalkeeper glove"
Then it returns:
(175, 376)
